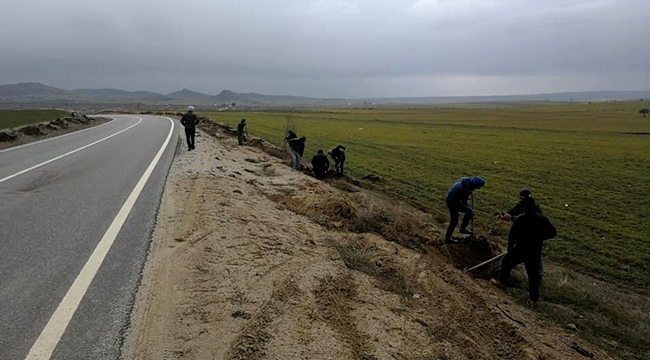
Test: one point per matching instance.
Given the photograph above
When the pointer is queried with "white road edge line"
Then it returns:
(67, 154)
(51, 334)
(57, 137)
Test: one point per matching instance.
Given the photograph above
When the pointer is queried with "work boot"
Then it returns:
(498, 284)
(451, 241)
(465, 231)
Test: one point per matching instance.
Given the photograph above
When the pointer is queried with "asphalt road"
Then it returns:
(61, 202)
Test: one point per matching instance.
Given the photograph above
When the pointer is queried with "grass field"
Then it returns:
(587, 164)
(14, 118)
(589, 173)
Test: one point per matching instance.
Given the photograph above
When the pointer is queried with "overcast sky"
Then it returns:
(329, 48)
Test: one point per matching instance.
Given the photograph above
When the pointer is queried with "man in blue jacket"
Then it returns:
(456, 198)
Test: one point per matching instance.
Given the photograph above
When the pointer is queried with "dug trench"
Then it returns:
(253, 260)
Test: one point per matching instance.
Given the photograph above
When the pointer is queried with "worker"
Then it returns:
(525, 243)
(517, 210)
(511, 215)
(241, 132)
(338, 154)
(320, 165)
(297, 148)
(189, 121)
(456, 199)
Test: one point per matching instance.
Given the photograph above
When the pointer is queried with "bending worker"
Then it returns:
(338, 154)
(456, 198)
(320, 165)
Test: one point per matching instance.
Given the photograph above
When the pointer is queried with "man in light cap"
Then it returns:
(189, 121)
(456, 198)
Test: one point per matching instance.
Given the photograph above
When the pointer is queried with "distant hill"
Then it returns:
(31, 92)
(187, 94)
(230, 96)
(550, 97)
(29, 89)
(116, 93)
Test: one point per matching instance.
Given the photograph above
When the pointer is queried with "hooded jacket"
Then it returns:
(462, 189)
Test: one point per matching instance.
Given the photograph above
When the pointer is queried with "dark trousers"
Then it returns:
(534, 270)
(454, 209)
(339, 167)
(320, 174)
(190, 133)
(240, 138)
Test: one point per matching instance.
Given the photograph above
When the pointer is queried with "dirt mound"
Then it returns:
(7, 136)
(253, 260)
(32, 130)
(28, 133)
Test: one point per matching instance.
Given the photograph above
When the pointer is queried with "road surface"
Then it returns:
(76, 214)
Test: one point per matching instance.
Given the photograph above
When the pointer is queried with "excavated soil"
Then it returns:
(252, 260)
(60, 126)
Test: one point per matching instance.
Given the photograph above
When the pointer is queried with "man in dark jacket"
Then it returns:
(241, 131)
(518, 209)
(456, 198)
(320, 164)
(338, 154)
(525, 243)
(189, 121)
(297, 146)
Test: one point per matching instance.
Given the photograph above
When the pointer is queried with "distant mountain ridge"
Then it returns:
(32, 91)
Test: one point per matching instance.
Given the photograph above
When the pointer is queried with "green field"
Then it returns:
(587, 164)
(15, 118)
(584, 156)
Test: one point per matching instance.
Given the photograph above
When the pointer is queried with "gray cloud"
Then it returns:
(329, 48)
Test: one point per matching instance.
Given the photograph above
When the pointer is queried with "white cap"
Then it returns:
(190, 108)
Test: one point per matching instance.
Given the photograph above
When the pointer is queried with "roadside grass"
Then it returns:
(10, 119)
(613, 317)
(587, 164)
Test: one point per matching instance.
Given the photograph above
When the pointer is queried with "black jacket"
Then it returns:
(298, 145)
(528, 234)
(518, 209)
(241, 127)
(338, 154)
(320, 163)
(190, 120)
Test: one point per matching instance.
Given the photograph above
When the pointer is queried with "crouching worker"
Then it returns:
(456, 198)
(525, 243)
(338, 154)
(320, 165)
